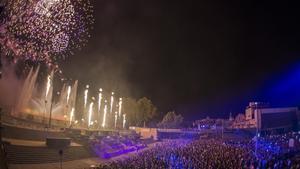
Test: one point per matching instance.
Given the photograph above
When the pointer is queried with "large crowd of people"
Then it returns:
(267, 152)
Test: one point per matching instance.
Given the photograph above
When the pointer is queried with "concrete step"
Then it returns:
(37, 155)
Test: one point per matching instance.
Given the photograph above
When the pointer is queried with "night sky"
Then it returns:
(196, 57)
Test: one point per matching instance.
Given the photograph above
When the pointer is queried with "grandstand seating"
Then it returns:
(28, 134)
(35, 155)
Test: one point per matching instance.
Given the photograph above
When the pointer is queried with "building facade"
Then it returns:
(262, 116)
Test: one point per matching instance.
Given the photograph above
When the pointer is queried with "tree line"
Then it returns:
(143, 112)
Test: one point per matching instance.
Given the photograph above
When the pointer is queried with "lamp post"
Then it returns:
(48, 86)
(61, 153)
(50, 112)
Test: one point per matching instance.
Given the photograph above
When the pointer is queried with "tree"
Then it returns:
(139, 112)
(130, 108)
(146, 111)
(171, 120)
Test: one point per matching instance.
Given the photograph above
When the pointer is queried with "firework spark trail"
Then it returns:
(104, 114)
(124, 120)
(48, 86)
(111, 102)
(86, 91)
(116, 119)
(90, 114)
(68, 94)
(43, 30)
(99, 100)
(120, 106)
(72, 115)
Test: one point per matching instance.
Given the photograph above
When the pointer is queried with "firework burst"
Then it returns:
(45, 30)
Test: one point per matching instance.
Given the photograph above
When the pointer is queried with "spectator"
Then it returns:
(210, 154)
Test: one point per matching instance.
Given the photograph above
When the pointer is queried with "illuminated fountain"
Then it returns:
(124, 120)
(104, 114)
(90, 122)
(65, 106)
(39, 102)
(26, 92)
(111, 102)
